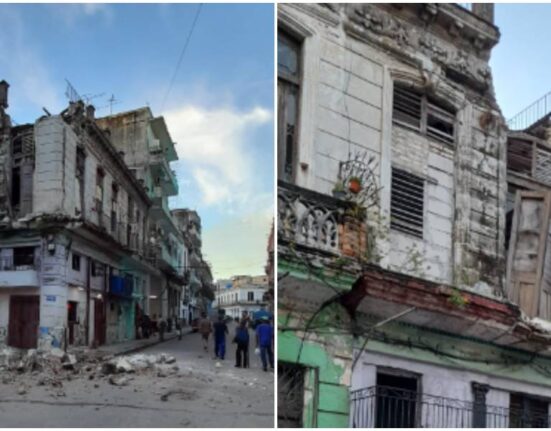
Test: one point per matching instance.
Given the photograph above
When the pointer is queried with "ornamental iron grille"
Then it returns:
(290, 394)
(308, 218)
(384, 407)
(362, 169)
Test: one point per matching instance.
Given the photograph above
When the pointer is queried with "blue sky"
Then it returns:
(219, 111)
(521, 61)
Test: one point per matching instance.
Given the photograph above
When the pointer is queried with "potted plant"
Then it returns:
(338, 190)
(355, 185)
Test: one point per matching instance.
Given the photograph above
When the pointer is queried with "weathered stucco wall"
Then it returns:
(346, 106)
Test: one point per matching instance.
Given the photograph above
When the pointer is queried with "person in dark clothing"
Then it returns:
(162, 329)
(242, 341)
(146, 326)
(264, 341)
(220, 331)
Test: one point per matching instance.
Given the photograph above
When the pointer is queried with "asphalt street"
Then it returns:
(204, 393)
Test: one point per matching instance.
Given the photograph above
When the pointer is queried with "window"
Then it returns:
(79, 181)
(528, 412)
(288, 85)
(290, 394)
(413, 109)
(250, 296)
(23, 257)
(114, 200)
(407, 202)
(76, 262)
(17, 145)
(16, 187)
(397, 400)
(99, 190)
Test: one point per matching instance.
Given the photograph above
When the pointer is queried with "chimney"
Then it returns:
(90, 111)
(484, 11)
(4, 94)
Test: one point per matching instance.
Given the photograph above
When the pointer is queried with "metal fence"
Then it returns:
(388, 407)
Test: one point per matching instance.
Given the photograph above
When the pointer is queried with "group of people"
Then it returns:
(264, 337)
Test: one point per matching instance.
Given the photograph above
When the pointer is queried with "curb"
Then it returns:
(154, 343)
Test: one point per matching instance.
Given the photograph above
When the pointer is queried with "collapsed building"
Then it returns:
(413, 270)
(85, 240)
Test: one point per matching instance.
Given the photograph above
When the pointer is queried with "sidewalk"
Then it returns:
(127, 346)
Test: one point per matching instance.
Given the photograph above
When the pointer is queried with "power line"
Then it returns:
(182, 54)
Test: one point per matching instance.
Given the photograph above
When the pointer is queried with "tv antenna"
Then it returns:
(111, 101)
(89, 97)
(71, 92)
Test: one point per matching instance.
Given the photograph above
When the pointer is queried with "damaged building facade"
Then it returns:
(81, 252)
(412, 261)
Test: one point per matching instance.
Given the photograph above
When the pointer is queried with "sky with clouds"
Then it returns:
(219, 110)
(520, 62)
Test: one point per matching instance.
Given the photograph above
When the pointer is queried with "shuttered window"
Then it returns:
(415, 110)
(407, 202)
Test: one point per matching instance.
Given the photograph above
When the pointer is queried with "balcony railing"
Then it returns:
(308, 218)
(388, 407)
(319, 221)
(19, 263)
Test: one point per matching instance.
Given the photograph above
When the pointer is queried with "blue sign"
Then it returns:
(50, 298)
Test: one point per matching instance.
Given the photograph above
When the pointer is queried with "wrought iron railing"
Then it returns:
(388, 407)
(531, 114)
(309, 218)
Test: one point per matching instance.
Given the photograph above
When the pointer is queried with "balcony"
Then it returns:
(390, 407)
(160, 168)
(319, 222)
(20, 271)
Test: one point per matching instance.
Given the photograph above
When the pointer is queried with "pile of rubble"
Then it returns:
(53, 367)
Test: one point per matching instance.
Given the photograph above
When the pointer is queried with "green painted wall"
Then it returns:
(328, 353)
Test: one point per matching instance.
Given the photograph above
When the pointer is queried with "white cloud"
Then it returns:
(214, 143)
(23, 67)
(70, 14)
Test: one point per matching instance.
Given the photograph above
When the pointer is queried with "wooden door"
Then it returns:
(24, 321)
(527, 249)
(99, 322)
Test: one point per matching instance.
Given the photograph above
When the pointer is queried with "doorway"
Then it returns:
(23, 321)
(99, 322)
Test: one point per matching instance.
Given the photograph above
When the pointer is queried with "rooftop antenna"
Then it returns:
(71, 92)
(89, 97)
(112, 101)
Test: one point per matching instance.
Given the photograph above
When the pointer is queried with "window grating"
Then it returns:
(417, 111)
(407, 107)
(542, 171)
(407, 202)
(519, 156)
(290, 394)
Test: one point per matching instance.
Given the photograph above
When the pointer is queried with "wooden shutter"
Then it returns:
(527, 249)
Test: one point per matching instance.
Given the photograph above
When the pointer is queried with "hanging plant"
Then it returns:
(339, 191)
(355, 185)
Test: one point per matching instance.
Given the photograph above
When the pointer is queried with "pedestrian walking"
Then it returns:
(264, 341)
(205, 328)
(178, 327)
(220, 331)
(242, 341)
(162, 329)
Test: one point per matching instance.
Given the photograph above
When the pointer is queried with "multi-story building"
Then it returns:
(198, 292)
(72, 241)
(407, 294)
(269, 268)
(242, 293)
(147, 148)
(87, 242)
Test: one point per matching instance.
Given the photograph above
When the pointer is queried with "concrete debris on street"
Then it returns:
(170, 384)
